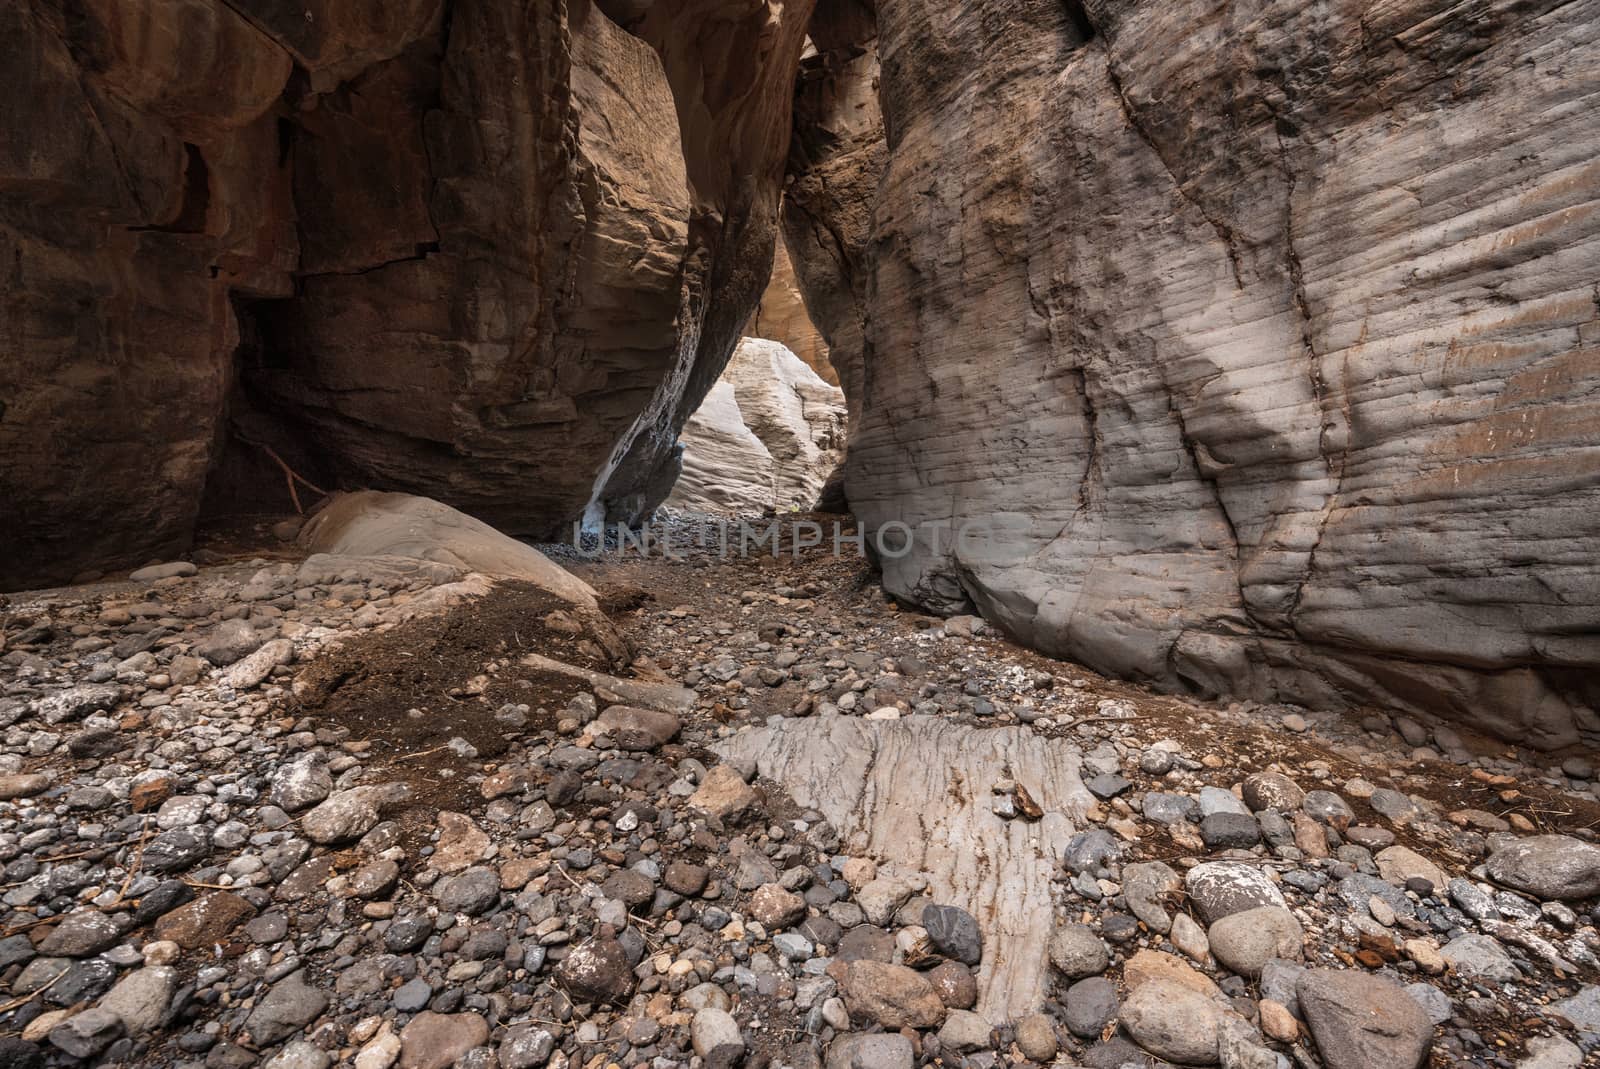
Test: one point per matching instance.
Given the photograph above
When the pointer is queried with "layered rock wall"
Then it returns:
(836, 159)
(487, 251)
(1255, 343)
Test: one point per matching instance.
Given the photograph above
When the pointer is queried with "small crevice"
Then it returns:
(1319, 385)
(1092, 471)
(424, 249)
(1224, 232)
(1080, 19)
(196, 202)
(1191, 447)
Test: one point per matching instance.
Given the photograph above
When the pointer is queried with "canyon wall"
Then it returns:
(487, 251)
(1256, 343)
(782, 317)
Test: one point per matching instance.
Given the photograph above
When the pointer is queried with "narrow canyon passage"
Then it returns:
(866, 534)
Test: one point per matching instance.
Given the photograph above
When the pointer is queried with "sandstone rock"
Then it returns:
(715, 1036)
(471, 892)
(461, 844)
(1550, 866)
(782, 317)
(1191, 939)
(204, 922)
(1246, 941)
(661, 696)
(1221, 888)
(892, 996)
(80, 934)
(891, 1051)
(1036, 1038)
(1277, 1022)
(1173, 1022)
(1397, 864)
(1077, 952)
(352, 813)
(965, 1031)
(724, 794)
(837, 157)
(926, 781)
(300, 783)
(1149, 966)
(1479, 957)
(638, 729)
(1551, 1052)
(230, 641)
(284, 1010)
(776, 908)
(23, 785)
(1360, 1020)
(954, 984)
(726, 468)
(798, 417)
(154, 572)
(1582, 1009)
(436, 1040)
(1149, 887)
(1272, 790)
(881, 897)
(141, 998)
(766, 437)
(514, 230)
(251, 670)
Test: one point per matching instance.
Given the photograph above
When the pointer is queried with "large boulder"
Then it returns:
(1255, 351)
(368, 524)
(908, 792)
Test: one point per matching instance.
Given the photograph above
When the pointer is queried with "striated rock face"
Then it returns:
(836, 158)
(1261, 339)
(767, 437)
(782, 317)
(487, 251)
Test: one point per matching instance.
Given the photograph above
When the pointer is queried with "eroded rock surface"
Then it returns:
(1258, 342)
(767, 437)
(915, 794)
(494, 254)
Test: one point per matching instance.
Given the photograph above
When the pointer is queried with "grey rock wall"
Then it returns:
(1260, 342)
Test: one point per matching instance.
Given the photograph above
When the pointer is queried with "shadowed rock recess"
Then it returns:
(488, 251)
(1258, 340)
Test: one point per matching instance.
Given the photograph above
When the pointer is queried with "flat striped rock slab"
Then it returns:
(915, 796)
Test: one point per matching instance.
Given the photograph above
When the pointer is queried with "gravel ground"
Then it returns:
(306, 813)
